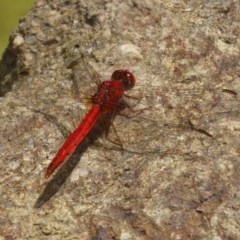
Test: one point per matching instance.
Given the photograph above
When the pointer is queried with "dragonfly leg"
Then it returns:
(118, 141)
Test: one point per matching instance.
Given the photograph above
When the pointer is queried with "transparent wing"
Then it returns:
(82, 75)
(176, 115)
(173, 110)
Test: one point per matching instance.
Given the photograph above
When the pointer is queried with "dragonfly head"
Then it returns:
(126, 77)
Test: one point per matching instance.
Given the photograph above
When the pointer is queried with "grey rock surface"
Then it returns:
(178, 175)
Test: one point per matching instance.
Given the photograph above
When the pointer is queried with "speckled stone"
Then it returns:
(172, 180)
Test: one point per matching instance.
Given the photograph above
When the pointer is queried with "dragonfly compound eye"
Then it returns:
(126, 77)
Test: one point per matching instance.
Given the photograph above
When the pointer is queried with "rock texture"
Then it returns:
(178, 175)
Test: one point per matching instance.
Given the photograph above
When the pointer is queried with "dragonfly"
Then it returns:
(109, 98)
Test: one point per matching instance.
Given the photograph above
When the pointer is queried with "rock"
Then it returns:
(172, 180)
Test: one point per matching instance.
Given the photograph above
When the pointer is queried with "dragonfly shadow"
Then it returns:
(66, 169)
(61, 176)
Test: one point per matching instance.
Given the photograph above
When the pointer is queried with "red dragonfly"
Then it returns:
(109, 98)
